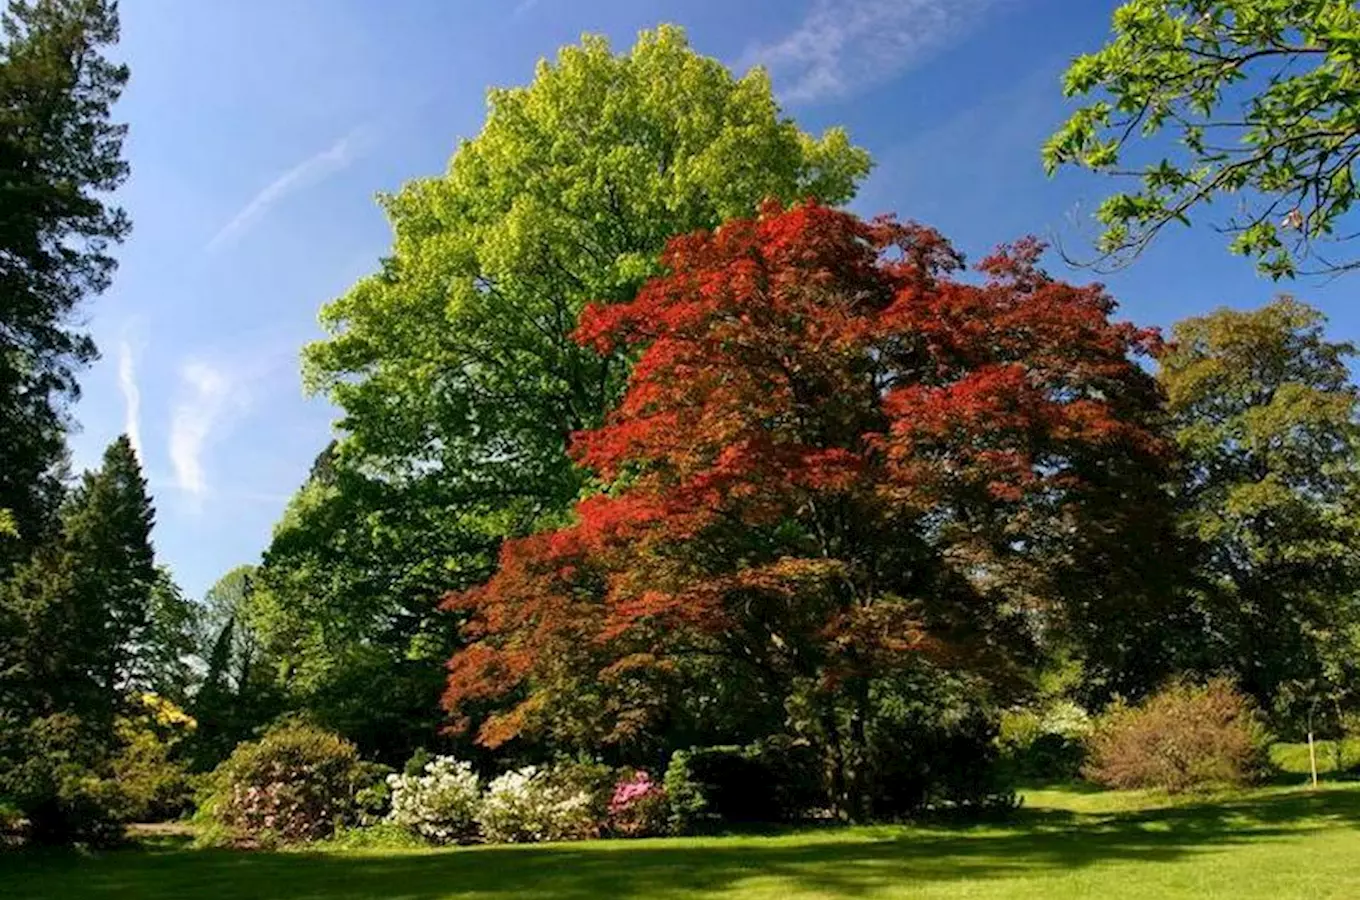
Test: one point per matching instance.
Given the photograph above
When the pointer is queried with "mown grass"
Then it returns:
(1333, 757)
(1278, 842)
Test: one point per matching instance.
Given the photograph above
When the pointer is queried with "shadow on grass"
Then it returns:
(844, 863)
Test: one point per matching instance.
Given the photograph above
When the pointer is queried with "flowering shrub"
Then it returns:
(638, 807)
(1186, 736)
(528, 805)
(440, 803)
(1048, 743)
(297, 783)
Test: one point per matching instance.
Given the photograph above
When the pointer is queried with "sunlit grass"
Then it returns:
(1276, 842)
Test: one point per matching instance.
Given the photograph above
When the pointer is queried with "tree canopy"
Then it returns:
(1259, 102)
(59, 155)
(453, 366)
(832, 459)
(1265, 417)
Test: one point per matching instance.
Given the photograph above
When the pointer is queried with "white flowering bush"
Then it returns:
(529, 805)
(440, 803)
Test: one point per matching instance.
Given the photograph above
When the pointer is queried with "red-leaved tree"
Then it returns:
(833, 459)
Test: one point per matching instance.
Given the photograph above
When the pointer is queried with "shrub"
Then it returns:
(932, 746)
(587, 776)
(297, 783)
(637, 807)
(373, 796)
(527, 805)
(155, 787)
(1045, 744)
(774, 780)
(1187, 736)
(58, 780)
(440, 804)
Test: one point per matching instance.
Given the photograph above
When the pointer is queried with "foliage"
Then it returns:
(454, 368)
(529, 805)
(1045, 743)
(377, 836)
(59, 154)
(440, 803)
(342, 607)
(297, 783)
(76, 634)
(834, 460)
(56, 773)
(154, 782)
(932, 746)
(162, 662)
(1260, 97)
(237, 694)
(1185, 737)
(774, 780)
(638, 806)
(1265, 416)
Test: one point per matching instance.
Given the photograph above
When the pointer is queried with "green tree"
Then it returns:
(1262, 99)
(1265, 417)
(83, 602)
(237, 693)
(454, 367)
(162, 660)
(346, 607)
(59, 154)
(77, 624)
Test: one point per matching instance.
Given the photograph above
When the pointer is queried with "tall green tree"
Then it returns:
(237, 692)
(1258, 104)
(83, 603)
(77, 637)
(453, 365)
(60, 154)
(1266, 420)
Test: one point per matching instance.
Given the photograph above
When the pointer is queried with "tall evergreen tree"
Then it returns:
(59, 155)
(79, 610)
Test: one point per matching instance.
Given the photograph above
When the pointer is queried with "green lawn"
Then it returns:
(1274, 843)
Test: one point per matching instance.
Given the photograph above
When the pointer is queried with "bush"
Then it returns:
(155, 787)
(373, 797)
(528, 805)
(1046, 744)
(932, 746)
(297, 783)
(440, 803)
(774, 780)
(58, 780)
(637, 807)
(1185, 737)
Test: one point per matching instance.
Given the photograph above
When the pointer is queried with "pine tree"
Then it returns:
(59, 154)
(78, 611)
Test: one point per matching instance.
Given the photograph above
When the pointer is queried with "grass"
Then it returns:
(1278, 842)
(1293, 758)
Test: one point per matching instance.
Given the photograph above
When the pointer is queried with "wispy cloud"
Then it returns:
(206, 395)
(312, 170)
(844, 45)
(132, 396)
(523, 7)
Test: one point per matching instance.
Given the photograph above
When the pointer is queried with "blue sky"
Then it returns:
(261, 130)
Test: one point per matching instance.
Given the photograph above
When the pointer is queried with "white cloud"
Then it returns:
(333, 159)
(206, 395)
(132, 396)
(845, 45)
(523, 7)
